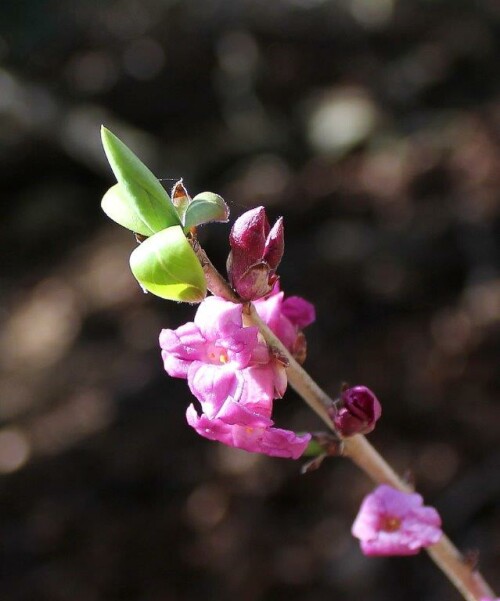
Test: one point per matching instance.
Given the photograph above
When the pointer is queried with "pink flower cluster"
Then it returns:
(391, 522)
(233, 375)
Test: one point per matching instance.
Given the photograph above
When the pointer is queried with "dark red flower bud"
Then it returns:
(357, 411)
(256, 252)
(275, 245)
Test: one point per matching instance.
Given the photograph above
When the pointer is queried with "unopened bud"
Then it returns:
(356, 412)
(180, 197)
(275, 245)
(256, 252)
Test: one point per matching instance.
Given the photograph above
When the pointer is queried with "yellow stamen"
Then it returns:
(391, 524)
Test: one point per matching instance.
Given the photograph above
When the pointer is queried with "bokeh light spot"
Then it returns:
(14, 450)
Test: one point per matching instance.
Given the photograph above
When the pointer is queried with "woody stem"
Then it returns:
(215, 282)
(445, 555)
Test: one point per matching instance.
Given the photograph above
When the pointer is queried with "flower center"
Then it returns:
(217, 355)
(390, 523)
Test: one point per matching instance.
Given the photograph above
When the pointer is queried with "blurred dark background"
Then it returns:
(373, 126)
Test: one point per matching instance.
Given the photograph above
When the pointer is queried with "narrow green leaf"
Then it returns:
(206, 207)
(166, 265)
(147, 197)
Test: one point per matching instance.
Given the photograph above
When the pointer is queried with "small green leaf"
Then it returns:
(146, 196)
(117, 206)
(166, 265)
(313, 449)
(206, 207)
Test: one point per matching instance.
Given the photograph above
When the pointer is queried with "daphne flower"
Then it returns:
(252, 433)
(223, 361)
(391, 522)
(286, 317)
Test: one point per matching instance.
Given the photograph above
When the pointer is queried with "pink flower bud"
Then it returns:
(256, 252)
(358, 411)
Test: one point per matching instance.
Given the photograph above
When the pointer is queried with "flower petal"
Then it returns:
(299, 311)
(269, 441)
(180, 347)
(218, 318)
(212, 385)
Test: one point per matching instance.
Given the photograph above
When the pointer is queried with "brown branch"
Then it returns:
(217, 285)
(445, 555)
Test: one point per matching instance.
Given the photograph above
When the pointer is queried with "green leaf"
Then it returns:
(206, 207)
(117, 206)
(140, 189)
(166, 265)
(313, 449)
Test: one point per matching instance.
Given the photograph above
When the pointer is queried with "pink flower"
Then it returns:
(391, 522)
(286, 318)
(223, 361)
(234, 377)
(252, 434)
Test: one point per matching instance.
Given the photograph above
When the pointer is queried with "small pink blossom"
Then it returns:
(391, 522)
(222, 360)
(286, 317)
(252, 434)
